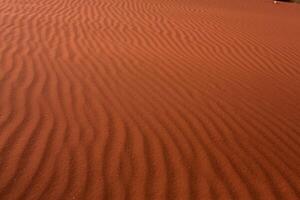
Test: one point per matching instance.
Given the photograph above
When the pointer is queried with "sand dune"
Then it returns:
(149, 99)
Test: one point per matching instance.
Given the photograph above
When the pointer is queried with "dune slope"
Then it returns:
(149, 99)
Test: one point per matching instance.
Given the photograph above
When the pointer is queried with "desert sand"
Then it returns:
(149, 99)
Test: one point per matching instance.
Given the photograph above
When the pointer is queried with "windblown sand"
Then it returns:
(149, 99)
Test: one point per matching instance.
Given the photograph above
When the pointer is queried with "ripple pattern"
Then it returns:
(148, 99)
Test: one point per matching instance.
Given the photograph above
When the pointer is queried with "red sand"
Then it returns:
(149, 99)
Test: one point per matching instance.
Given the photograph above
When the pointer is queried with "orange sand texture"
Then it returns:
(149, 99)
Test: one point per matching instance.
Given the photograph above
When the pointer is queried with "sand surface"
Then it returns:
(149, 99)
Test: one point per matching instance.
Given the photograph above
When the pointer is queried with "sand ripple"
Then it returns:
(150, 99)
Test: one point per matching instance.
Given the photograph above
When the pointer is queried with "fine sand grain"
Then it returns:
(149, 99)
